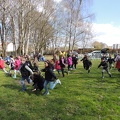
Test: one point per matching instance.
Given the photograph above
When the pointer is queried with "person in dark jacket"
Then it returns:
(110, 61)
(86, 63)
(49, 77)
(74, 61)
(104, 64)
(35, 68)
(25, 73)
(83, 59)
(63, 65)
(38, 81)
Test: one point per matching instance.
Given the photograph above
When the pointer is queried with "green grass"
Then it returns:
(81, 96)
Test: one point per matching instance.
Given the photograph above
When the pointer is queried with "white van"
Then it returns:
(96, 54)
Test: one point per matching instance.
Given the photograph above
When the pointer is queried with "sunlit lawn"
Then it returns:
(81, 96)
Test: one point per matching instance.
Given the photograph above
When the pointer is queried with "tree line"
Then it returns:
(36, 25)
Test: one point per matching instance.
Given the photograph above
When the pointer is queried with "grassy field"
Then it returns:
(81, 96)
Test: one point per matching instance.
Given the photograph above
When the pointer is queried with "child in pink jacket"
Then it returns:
(17, 66)
(69, 61)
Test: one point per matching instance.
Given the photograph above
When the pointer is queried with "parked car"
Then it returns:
(97, 54)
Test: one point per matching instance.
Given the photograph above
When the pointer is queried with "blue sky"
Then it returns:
(107, 21)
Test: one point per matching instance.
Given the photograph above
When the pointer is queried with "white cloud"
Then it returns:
(57, 1)
(107, 33)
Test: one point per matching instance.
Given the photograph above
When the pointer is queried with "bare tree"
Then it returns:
(42, 24)
(74, 23)
(5, 9)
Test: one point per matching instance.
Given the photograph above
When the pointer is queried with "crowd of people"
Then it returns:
(30, 71)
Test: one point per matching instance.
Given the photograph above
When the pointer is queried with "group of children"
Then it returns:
(30, 71)
(106, 63)
(61, 62)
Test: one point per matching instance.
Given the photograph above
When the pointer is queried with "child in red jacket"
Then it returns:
(2, 65)
(57, 66)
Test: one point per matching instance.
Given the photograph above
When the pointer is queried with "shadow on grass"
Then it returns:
(19, 88)
(13, 87)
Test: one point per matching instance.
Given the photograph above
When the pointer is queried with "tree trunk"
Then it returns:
(27, 42)
(14, 36)
(3, 36)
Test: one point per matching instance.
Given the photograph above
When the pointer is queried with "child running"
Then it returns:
(86, 63)
(110, 61)
(25, 73)
(57, 66)
(16, 66)
(104, 64)
(2, 65)
(63, 65)
(49, 77)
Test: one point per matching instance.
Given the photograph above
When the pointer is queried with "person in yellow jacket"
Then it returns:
(62, 54)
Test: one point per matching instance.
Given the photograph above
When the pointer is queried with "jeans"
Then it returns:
(23, 82)
(52, 85)
(107, 70)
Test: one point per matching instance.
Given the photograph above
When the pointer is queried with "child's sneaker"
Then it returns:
(58, 81)
(14, 76)
(34, 90)
(110, 75)
(46, 93)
